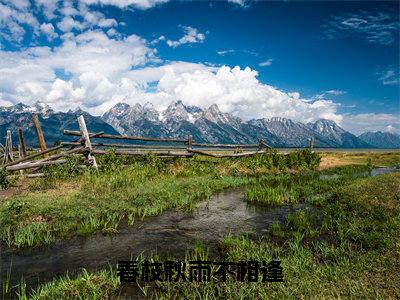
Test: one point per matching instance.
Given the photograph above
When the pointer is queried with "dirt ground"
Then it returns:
(16, 188)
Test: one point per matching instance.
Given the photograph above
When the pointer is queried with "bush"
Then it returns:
(4, 182)
(70, 169)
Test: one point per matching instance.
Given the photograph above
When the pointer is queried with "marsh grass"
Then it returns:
(344, 260)
(71, 200)
(304, 186)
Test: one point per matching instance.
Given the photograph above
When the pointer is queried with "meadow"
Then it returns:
(345, 244)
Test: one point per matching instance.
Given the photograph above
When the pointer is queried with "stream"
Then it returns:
(169, 234)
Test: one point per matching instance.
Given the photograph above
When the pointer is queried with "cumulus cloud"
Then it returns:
(192, 35)
(360, 123)
(100, 71)
(94, 64)
(238, 91)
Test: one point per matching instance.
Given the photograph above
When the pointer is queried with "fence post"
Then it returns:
(8, 151)
(88, 144)
(260, 144)
(39, 133)
(190, 142)
(21, 143)
(311, 143)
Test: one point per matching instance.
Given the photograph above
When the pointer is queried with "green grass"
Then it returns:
(84, 286)
(69, 200)
(355, 254)
(304, 186)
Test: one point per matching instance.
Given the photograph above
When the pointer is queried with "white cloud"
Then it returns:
(15, 19)
(48, 7)
(141, 4)
(238, 91)
(101, 71)
(224, 52)
(335, 92)
(48, 30)
(360, 123)
(95, 66)
(266, 63)
(192, 35)
(379, 28)
(389, 77)
(242, 3)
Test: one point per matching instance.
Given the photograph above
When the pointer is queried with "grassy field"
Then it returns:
(352, 253)
(334, 159)
(346, 246)
(69, 201)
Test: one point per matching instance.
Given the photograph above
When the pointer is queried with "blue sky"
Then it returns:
(301, 60)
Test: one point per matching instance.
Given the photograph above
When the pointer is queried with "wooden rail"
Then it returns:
(127, 137)
(84, 145)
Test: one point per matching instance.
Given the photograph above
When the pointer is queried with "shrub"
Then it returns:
(4, 182)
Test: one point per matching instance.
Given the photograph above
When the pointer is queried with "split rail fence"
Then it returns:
(84, 144)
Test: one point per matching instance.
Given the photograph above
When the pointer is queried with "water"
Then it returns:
(373, 172)
(171, 233)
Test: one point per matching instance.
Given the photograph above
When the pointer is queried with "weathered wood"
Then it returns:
(31, 165)
(8, 154)
(190, 142)
(311, 143)
(225, 145)
(33, 156)
(155, 147)
(35, 175)
(140, 153)
(39, 133)
(21, 142)
(225, 155)
(65, 153)
(86, 137)
(126, 137)
(265, 144)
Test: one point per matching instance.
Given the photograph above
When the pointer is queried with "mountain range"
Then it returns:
(178, 120)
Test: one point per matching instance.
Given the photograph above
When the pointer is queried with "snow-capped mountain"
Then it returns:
(381, 139)
(212, 125)
(208, 125)
(52, 123)
(335, 134)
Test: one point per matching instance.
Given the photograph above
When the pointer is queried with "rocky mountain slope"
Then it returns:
(52, 123)
(208, 125)
(381, 139)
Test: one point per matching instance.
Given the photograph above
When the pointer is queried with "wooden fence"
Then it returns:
(86, 145)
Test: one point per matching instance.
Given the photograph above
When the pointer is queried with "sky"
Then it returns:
(254, 59)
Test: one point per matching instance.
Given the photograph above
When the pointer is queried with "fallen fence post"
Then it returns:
(63, 154)
(39, 133)
(226, 155)
(85, 136)
(33, 156)
(30, 165)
